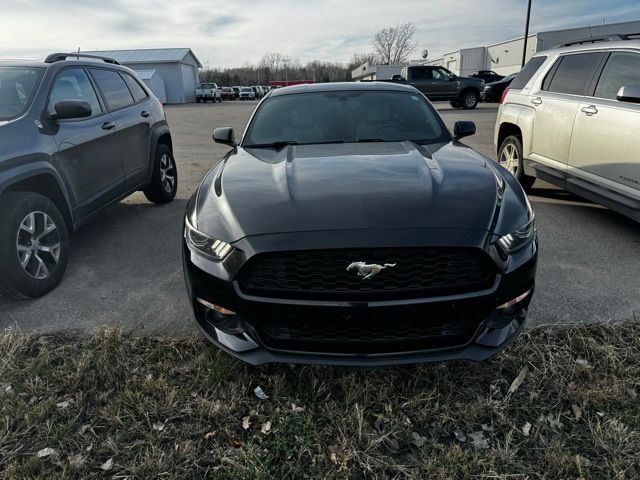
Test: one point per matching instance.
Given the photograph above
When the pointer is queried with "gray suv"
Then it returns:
(77, 133)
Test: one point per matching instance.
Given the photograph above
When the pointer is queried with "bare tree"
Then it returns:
(393, 45)
(275, 66)
(271, 62)
(360, 58)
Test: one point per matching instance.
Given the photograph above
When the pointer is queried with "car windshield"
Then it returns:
(17, 87)
(247, 89)
(346, 117)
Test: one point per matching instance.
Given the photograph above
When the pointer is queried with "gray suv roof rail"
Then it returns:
(58, 57)
(600, 38)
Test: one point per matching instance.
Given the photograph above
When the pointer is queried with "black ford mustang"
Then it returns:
(350, 227)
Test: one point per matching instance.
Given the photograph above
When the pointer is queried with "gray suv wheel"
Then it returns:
(34, 243)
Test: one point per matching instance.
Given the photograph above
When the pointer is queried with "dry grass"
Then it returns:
(175, 409)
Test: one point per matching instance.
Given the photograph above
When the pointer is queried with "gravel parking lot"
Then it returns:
(126, 269)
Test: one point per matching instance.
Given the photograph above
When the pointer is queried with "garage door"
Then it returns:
(188, 82)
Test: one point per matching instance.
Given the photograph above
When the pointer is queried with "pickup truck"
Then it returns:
(208, 91)
(438, 83)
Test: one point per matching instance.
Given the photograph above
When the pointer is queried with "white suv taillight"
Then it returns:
(504, 95)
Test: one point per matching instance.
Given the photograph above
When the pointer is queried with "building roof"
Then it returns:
(145, 74)
(148, 55)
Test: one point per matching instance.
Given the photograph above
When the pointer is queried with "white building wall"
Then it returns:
(156, 84)
(505, 58)
(171, 76)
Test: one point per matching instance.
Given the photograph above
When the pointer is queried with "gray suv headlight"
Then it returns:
(519, 238)
(204, 245)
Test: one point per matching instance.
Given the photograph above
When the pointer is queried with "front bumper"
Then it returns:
(214, 283)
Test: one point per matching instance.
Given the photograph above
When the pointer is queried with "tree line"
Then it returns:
(390, 46)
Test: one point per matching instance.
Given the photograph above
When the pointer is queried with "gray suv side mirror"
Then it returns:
(68, 109)
(224, 135)
(629, 93)
(463, 129)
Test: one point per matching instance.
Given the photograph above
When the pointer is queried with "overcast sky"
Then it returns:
(232, 32)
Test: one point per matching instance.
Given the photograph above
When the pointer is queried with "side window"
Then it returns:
(441, 74)
(136, 89)
(420, 73)
(113, 88)
(74, 84)
(574, 73)
(526, 73)
(622, 68)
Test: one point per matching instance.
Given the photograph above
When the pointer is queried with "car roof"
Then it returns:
(341, 87)
(611, 45)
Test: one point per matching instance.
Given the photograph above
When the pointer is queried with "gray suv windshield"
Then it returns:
(17, 87)
(345, 117)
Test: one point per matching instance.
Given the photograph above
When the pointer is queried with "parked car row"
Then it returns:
(211, 92)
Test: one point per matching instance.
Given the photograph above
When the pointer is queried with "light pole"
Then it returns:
(526, 34)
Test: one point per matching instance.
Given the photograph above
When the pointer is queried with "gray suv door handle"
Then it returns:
(590, 110)
(145, 114)
(536, 101)
(108, 125)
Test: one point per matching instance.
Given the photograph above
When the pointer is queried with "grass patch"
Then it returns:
(114, 406)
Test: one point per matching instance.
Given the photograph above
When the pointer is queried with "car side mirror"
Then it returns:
(68, 109)
(629, 93)
(224, 135)
(463, 129)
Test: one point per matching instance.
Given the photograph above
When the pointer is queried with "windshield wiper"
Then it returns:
(279, 144)
(284, 143)
(370, 140)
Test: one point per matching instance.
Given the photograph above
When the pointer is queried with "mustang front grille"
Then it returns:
(408, 273)
(370, 330)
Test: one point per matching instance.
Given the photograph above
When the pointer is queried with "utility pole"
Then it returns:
(526, 33)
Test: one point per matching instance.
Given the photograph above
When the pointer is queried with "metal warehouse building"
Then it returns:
(171, 73)
(505, 58)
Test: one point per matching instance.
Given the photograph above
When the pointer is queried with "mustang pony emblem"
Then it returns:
(366, 270)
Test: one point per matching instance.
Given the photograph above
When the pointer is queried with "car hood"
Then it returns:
(348, 186)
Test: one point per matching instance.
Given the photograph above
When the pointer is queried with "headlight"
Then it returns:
(204, 245)
(514, 241)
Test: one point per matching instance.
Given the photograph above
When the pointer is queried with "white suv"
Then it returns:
(572, 118)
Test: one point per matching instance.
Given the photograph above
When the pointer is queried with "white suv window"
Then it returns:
(572, 74)
(622, 68)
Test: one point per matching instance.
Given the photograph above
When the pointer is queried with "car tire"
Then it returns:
(469, 100)
(34, 242)
(510, 157)
(164, 180)
(454, 104)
